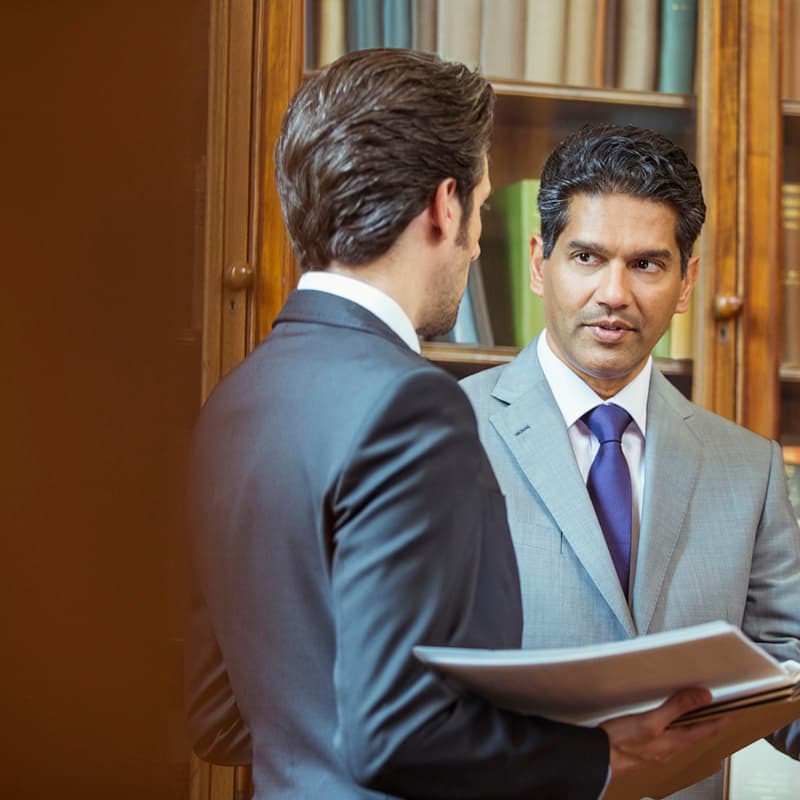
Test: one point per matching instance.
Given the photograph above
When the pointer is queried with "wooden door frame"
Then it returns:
(281, 76)
(715, 334)
(759, 253)
(736, 342)
(233, 186)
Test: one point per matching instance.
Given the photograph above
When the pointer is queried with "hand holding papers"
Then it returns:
(587, 685)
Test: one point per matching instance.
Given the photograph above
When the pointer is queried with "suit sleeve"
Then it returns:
(217, 731)
(772, 615)
(409, 512)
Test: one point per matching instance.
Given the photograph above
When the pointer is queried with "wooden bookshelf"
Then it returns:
(736, 126)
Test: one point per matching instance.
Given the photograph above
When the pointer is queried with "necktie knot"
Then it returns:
(608, 422)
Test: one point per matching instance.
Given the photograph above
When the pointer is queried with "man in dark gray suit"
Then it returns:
(342, 508)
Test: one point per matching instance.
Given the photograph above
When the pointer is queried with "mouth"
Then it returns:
(610, 330)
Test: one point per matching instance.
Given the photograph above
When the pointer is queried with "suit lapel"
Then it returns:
(673, 455)
(532, 427)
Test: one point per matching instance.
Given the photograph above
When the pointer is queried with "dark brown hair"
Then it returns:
(366, 141)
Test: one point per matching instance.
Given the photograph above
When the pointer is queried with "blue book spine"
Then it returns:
(397, 23)
(465, 331)
(364, 24)
(678, 44)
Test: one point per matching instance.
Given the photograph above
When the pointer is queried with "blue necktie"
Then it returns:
(609, 484)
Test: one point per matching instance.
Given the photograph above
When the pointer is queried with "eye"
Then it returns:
(586, 258)
(646, 265)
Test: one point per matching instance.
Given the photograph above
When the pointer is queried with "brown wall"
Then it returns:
(102, 133)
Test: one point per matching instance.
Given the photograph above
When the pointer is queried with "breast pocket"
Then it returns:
(535, 536)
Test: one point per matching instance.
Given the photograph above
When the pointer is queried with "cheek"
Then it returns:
(569, 296)
(659, 306)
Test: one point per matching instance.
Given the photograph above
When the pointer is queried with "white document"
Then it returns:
(586, 685)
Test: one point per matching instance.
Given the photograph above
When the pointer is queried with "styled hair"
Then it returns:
(366, 141)
(611, 159)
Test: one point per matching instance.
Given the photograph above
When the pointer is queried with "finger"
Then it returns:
(687, 735)
(680, 703)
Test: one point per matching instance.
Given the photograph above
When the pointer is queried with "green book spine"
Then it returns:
(397, 23)
(677, 50)
(516, 206)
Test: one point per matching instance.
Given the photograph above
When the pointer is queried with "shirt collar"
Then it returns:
(367, 296)
(574, 397)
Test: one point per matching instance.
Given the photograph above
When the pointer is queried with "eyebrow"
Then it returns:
(596, 247)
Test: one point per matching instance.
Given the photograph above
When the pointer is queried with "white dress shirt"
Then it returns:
(574, 398)
(367, 296)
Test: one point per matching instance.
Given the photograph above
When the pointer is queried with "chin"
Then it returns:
(440, 326)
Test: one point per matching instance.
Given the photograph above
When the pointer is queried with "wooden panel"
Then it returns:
(231, 184)
(232, 211)
(105, 107)
(718, 97)
(758, 389)
(199, 779)
(282, 72)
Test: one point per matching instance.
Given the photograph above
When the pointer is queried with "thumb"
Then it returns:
(680, 703)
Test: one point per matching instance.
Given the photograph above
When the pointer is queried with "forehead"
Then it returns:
(622, 217)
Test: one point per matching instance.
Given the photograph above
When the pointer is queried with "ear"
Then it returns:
(687, 284)
(537, 265)
(445, 209)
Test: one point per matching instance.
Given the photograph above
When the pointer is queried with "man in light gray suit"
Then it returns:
(709, 532)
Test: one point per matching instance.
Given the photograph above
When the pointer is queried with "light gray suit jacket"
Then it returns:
(718, 538)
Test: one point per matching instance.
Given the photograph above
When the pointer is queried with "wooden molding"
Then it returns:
(757, 384)
(281, 76)
(231, 190)
(718, 149)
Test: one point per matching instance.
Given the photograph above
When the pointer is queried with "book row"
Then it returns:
(790, 274)
(644, 45)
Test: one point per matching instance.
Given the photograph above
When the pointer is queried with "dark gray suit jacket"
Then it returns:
(343, 511)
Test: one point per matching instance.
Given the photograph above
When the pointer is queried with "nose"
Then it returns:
(613, 289)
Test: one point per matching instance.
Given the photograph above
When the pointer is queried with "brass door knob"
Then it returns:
(238, 276)
(727, 306)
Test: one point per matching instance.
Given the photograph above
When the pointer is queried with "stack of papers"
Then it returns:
(586, 685)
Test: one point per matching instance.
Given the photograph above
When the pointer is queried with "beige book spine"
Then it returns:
(681, 330)
(503, 39)
(638, 44)
(545, 40)
(580, 49)
(458, 31)
(423, 25)
(331, 41)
